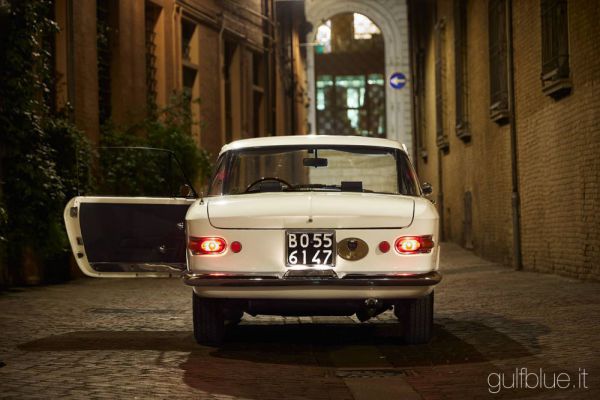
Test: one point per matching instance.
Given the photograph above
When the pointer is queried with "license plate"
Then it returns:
(310, 248)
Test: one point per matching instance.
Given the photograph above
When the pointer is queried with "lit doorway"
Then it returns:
(350, 77)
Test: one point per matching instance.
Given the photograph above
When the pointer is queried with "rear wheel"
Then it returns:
(233, 316)
(209, 320)
(417, 318)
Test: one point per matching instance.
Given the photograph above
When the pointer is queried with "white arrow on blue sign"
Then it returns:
(398, 80)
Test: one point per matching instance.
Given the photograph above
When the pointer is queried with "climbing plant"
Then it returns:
(152, 173)
(45, 160)
(39, 146)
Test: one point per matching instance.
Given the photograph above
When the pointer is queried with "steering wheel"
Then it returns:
(267, 178)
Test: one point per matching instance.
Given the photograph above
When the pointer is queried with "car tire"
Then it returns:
(233, 316)
(209, 320)
(417, 318)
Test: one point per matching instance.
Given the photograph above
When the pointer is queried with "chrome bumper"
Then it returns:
(257, 280)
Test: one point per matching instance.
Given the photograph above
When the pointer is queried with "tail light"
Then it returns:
(414, 244)
(207, 245)
(236, 246)
(384, 246)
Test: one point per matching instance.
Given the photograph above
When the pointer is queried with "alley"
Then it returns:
(101, 338)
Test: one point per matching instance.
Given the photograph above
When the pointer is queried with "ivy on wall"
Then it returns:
(33, 191)
(45, 159)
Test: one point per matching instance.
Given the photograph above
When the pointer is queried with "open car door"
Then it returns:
(132, 236)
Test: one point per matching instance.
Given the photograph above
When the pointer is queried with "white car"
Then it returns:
(292, 225)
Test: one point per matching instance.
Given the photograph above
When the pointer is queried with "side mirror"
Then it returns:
(427, 189)
(185, 190)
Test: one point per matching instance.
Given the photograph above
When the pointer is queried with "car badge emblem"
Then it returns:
(352, 249)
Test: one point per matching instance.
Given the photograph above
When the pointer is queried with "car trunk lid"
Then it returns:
(337, 210)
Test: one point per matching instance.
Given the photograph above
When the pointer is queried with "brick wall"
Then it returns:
(481, 166)
(558, 142)
(559, 147)
(376, 172)
(239, 22)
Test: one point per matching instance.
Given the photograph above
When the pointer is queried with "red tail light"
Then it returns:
(384, 246)
(414, 244)
(236, 246)
(207, 245)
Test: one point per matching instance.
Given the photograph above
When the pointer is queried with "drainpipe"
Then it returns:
(413, 69)
(515, 201)
(441, 194)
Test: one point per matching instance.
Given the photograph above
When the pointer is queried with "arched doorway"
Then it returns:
(350, 76)
(391, 18)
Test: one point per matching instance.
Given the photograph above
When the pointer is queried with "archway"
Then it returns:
(391, 17)
(349, 77)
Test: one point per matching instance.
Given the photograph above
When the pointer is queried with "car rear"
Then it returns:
(301, 240)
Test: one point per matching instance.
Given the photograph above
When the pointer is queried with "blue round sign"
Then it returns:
(398, 80)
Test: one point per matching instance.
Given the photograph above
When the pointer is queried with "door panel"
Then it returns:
(128, 237)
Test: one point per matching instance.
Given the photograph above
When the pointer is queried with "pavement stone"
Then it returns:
(131, 338)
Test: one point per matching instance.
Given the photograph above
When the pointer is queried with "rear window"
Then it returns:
(315, 168)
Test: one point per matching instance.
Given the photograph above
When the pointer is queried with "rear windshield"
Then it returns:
(315, 168)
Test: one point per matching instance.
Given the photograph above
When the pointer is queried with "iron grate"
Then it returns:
(374, 372)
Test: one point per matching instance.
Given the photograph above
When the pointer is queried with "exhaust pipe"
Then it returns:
(372, 308)
(372, 303)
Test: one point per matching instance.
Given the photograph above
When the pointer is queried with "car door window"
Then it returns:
(139, 172)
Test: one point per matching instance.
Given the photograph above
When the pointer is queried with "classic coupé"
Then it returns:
(296, 225)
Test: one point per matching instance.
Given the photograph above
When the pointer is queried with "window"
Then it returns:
(379, 170)
(131, 171)
(460, 69)
(231, 88)
(498, 61)
(440, 65)
(258, 90)
(324, 38)
(188, 40)
(421, 120)
(421, 17)
(351, 105)
(190, 54)
(555, 48)
(364, 28)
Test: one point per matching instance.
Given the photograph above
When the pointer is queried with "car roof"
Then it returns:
(300, 140)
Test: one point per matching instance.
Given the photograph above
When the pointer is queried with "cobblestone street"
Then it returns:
(95, 338)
